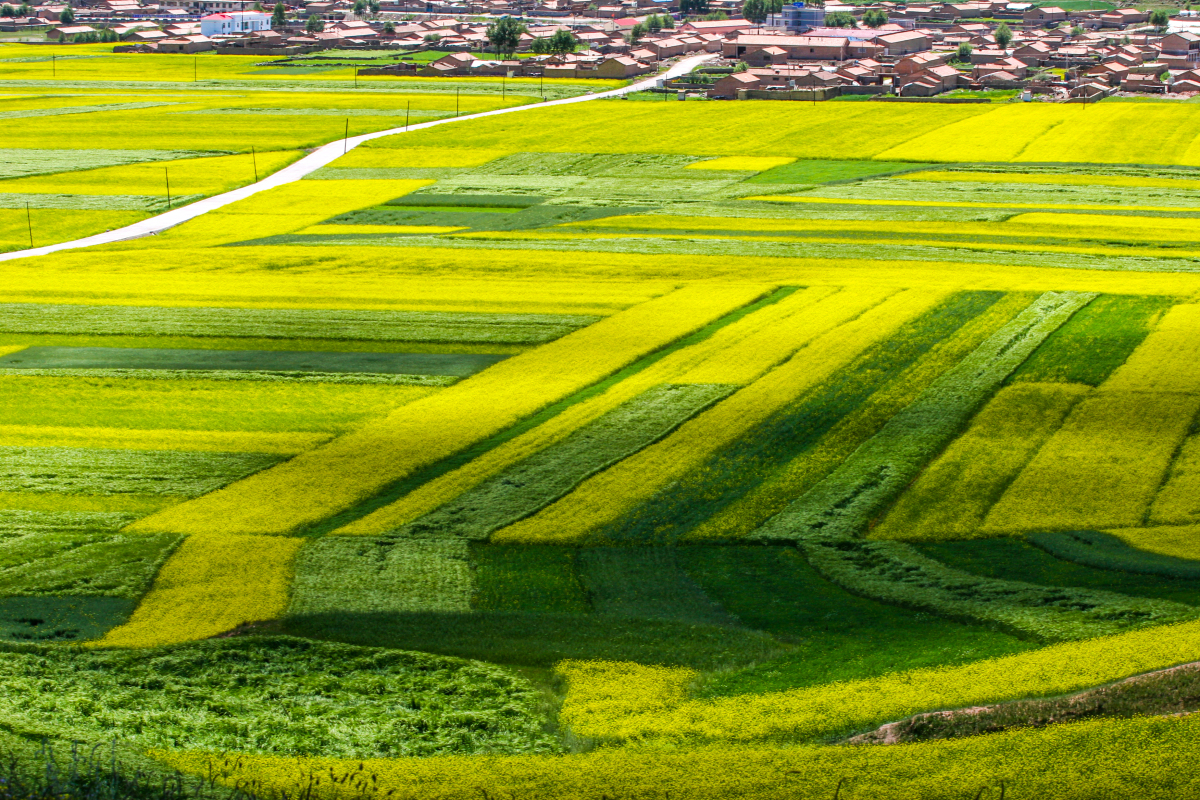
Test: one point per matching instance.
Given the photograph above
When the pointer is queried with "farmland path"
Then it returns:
(320, 157)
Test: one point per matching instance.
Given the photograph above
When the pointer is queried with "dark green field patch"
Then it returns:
(1012, 559)
(538, 578)
(1105, 551)
(69, 358)
(1095, 341)
(821, 171)
(477, 219)
(544, 639)
(60, 619)
(839, 636)
(647, 583)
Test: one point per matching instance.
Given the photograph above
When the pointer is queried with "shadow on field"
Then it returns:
(542, 639)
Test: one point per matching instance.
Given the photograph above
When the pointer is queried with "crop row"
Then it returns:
(359, 465)
(70, 470)
(850, 323)
(16, 163)
(199, 404)
(843, 504)
(757, 474)
(211, 584)
(533, 483)
(737, 349)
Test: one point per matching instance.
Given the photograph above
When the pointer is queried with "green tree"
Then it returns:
(67, 16)
(964, 53)
(360, 7)
(562, 42)
(279, 16)
(108, 35)
(314, 24)
(1003, 35)
(433, 38)
(715, 16)
(505, 35)
(25, 10)
(1077, 30)
(774, 6)
(840, 19)
(540, 46)
(373, 6)
(7, 11)
(389, 28)
(637, 32)
(693, 7)
(653, 24)
(755, 11)
(873, 18)
(668, 22)
(1160, 18)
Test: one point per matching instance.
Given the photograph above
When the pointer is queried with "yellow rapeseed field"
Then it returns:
(371, 155)
(742, 163)
(1178, 502)
(1182, 541)
(210, 585)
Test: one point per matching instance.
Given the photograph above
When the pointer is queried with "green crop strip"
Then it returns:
(77, 554)
(72, 470)
(819, 171)
(647, 583)
(289, 323)
(1106, 552)
(1012, 559)
(403, 487)
(742, 467)
(530, 485)
(845, 502)
(1095, 341)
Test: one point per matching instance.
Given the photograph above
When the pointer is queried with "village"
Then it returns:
(791, 52)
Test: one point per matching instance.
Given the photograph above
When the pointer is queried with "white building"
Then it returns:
(234, 22)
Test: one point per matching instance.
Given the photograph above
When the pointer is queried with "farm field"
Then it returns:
(512, 458)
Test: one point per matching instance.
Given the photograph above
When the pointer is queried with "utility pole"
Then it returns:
(29, 219)
(53, 66)
(254, 160)
(407, 109)
(167, 174)
(456, 91)
(356, 77)
(346, 140)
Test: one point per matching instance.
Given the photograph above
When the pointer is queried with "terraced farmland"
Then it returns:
(517, 461)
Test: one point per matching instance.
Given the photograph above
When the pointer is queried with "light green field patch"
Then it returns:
(343, 574)
(70, 470)
(77, 555)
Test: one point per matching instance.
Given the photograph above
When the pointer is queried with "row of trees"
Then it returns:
(561, 42)
(653, 24)
(25, 10)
